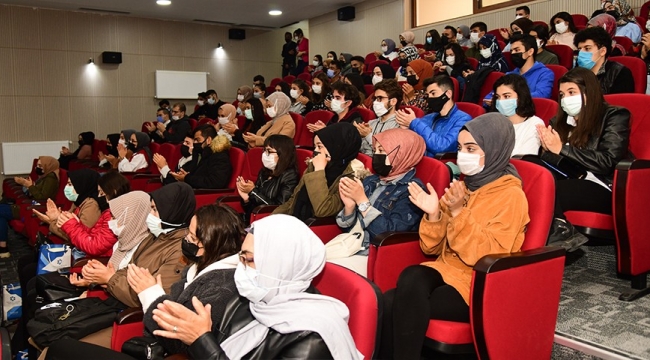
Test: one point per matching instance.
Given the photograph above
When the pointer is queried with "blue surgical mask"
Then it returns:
(160, 119)
(429, 39)
(69, 193)
(507, 107)
(330, 73)
(585, 60)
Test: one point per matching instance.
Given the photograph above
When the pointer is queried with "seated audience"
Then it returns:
(387, 99)
(200, 108)
(522, 12)
(316, 65)
(284, 88)
(491, 55)
(388, 51)
(462, 36)
(346, 63)
(163, 118)
(83, 152)
(595, 47)
(185, 163)
(164, 104)
(563, 30)
(173, 131)
(358, 64)
(590, 137)
(212, 167)
(406, 39)
(487, 213)
(608, 23)
(345, 99)
(382, 72)
(336, 149)
(244, 93)
(112, 140)
(334, 71)
(414, 90)
(433, 46)
(138, 145)
(545, 56)
(300, 97)
(477, 31)
(626, 25)
(276, 180)
(258, 79)
(254, 113)
(513, 100)
(381, 202)
(518, 27)
(228, 125)
(277, 108)
(441, 125)
(259, 92)
(357, 81)
(110, 160)
(331, 55)
(454, 64)
(321, 92)
(214, 103)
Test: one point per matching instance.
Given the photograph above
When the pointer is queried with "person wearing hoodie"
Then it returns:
(346, 63)
(83, 152)
(462, 36)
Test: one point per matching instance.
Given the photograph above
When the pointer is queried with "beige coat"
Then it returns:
(282, 125)
(88, 213)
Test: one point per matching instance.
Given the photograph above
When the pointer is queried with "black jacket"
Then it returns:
(188, 167)
(212, 111)
(602, 153)
(296, 345)
(287, 58)
(174, 133)
(273, 191)
(212, 171)
(616, 79)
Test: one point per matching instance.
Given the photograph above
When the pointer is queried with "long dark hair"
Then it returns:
(458, 53)
(286, 153)
(258, 114)
(590, 118)
(302, 85)
(220, 230)
(566, 17)
(325, 89)
(436, 41)
(525, 104)
(114, 184)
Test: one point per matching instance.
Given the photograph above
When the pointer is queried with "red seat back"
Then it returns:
(473, 63)
(496, 34)
(418, 112)
(304, 76)
(543, 23)
(508, 58)
(299, 126)
(366, 114)
(470, 109)
(366, 160)
(302, 155)
(638, 69)
(204, 121)
(271, 88)
(639, 121)
(306, 137)
(171, 153)
(241, 122)
(545, 109)
(641, 21)
(193, 123)
(362, 299)
(237, 157)
(288, 79)
(99, 145)
(395, 63)
(564, 55)
(580, 20)
(626, 42)
(645, 11)
(558, 72)
(252, 164)
(143, 128)
(435, 172)
(368, 60)
(488, 84)
(369, 89)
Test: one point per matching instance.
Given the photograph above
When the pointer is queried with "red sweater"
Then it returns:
(303, 45)
(95, 241)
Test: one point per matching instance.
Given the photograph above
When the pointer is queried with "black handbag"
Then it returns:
(143, 348)
(54, 287)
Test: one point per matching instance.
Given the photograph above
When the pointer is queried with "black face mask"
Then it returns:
(39, 171)
(189, 251)
(379, 165)
(517, 33)
(80, 142)
(403, 62)
(518, 60)
(444, 40)
(198, 148)
(411, 80)
(437, 103)
(403, 42)
(102, 202)
(356, 71)
(131, 147)
(614, 13)
(185, 151)
(316, 153)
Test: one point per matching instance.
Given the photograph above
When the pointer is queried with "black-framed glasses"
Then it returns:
(270, 151)
(379, 98)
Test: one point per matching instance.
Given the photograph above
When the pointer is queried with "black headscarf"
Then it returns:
(87, 138)
(495, 135)
(143, 144)
(84, 182)
(112, 148)
(387, 71)
(342, 141)
(175, 203)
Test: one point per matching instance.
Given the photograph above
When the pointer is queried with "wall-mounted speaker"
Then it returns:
(346, 13)
(236, 34)
(111, 57)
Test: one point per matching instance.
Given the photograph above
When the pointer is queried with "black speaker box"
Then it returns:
(111, 57)
(236, 34)
(346, 13)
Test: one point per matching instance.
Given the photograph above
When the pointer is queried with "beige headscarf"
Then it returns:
(408, 36)
(246, 91)
(130, 210)
(229, 111)
(49, 165)
(405, 149)
(281, 101)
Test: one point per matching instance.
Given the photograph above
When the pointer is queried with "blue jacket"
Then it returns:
(391, 211)
(539, 78)
(440, 133)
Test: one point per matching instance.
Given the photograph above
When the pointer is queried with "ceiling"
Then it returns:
(242, 13)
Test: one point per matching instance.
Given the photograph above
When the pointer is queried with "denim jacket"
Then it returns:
(391, 211)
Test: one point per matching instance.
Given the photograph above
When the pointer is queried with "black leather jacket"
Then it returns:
(616, 79)
(602, 153)
(296, 345)
(273, 191)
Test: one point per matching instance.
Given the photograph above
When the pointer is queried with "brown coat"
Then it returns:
(492, 222)
(161, 255)
(88, 213)
(282, 125)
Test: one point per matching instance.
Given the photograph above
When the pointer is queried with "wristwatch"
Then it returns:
(364, 206)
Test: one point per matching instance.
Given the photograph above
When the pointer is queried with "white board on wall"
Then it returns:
(180, 84)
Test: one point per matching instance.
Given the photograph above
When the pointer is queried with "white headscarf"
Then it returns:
(291, 257)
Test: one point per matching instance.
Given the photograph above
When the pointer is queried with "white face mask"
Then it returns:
(486, 53)
(249, 114)
(246, 283)
(200, 102)
(316, 89)
(240, 97)
(337, 106)
(384, 49)
(451, 60)
(122, 142)
(315, 63)
(294, 93)
(271, 112)
(175, 117)
(211, 101)
(113, 224)
(257, 95)
(379, 108)
(223, 120)
(517, 17)
(469, 164)
(459, 36)
(539, 43)
(474, 38)
(155, 225)
(376, 79)
(572, 105)
(268, 160)
(561, 28)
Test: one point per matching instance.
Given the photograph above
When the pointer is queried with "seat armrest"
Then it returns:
(395, 237)
(321, 221)
(264, 209)
(499, 262)
(228, 198)
(446, 156)
(635, 164)
(213, 191)
(145, 176)
(129, 316)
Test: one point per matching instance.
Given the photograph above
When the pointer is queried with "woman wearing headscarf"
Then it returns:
(462, 36)
(414, 92)
(406, 39)
(608, 23)
(625, 20)
(139, 146)
(112, 140)
(520, 26)
(388, 51)
(336, 148)
(244, 93)
(228, 125)
(277, 108)
(122, 141)
(83, 152)
(487, 213)
(381, 202)
(346, 66)
(491, 55)
(45, 187)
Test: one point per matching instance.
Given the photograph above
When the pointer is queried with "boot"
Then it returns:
(563, 234)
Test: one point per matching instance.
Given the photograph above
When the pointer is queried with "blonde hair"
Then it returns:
(220, 143)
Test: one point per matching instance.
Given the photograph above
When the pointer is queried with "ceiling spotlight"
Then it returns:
(163, 2)
(275, 12)
(91, 61)
(219, 46)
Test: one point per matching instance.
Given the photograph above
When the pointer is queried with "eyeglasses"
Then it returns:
(379, 98)
(269, 151)
(246, 257)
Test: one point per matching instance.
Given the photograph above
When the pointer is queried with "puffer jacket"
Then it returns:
(274, 191)
(97, 240)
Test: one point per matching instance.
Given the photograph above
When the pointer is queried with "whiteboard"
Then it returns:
(180, 84)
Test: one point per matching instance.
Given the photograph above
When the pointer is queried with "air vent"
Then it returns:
(213, 22)
(106, 11)
(256, 27)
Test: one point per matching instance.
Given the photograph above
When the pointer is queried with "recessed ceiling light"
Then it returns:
(164, 2)
(275, 12)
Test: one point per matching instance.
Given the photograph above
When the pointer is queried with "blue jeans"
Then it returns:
(5, 216)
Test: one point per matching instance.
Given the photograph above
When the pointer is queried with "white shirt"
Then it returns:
(138, 161)
(527, 140)
(165, 170)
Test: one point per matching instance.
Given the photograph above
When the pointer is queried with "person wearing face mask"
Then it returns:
(626, 24)
(212, 168)
(139, 147)
(518, 28)
(381, 202)
(214, 103)
(387, 99)
(462, 36)
(228, 126)
(595, 47)
(336, 148)
(255, 116)
(359, 68)
(259, 92)
(277, 108)
(316, 65)
(276, 181)
(388, 50)
(590, 135)
(300, 97)
(110, 160)
(487, 213)
(522, 12)
(454, 64)
(334, 72)
(608, 23)
(345, 61)
(417, 71)
(345, 99)
(185, 163)
(244, 93)
(433, 46)
(171, 131)
(200, 108)
(563, 30)
(321, 92)
(288, 54)
(440, 127)
(545, 56)
(491, 56)
(513, 100)
(83, 152)
(112, 140)
(477, 31)
(406, 39)
(302, 51)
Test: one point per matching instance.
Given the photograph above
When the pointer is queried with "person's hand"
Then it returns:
(437, 64)
(77, 280)
(487, 102)
(552, 42)
(405, 117)
(141, 279)
(159, 160)
(468, 73)
(408, 90)
(53, 211)
(353, 188)
(303, 99)
(161, 127)
(378, 54)
(249, 137)
(64, 217)
(442, 68)
(430, 57)
(427, 202)
(149, 126)
(504, 33)
(216, 126)
(245, 186)
(550, 139)
(179, 176)
(348, 203)
(364, 128)
(121, 151)
(645, 41)
(320, 161)
(421, 51)
(65, 150)
(318, 125)
(454, 197)
(241, 189)
(230, 128)
(328, 103)
(180, 323)
(101, 156)
(97, 273)
(42, 217)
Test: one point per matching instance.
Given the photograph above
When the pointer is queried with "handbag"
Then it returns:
(12, 302)
(54, 287)
(143, 348)
(53, 258)
(346, 244)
